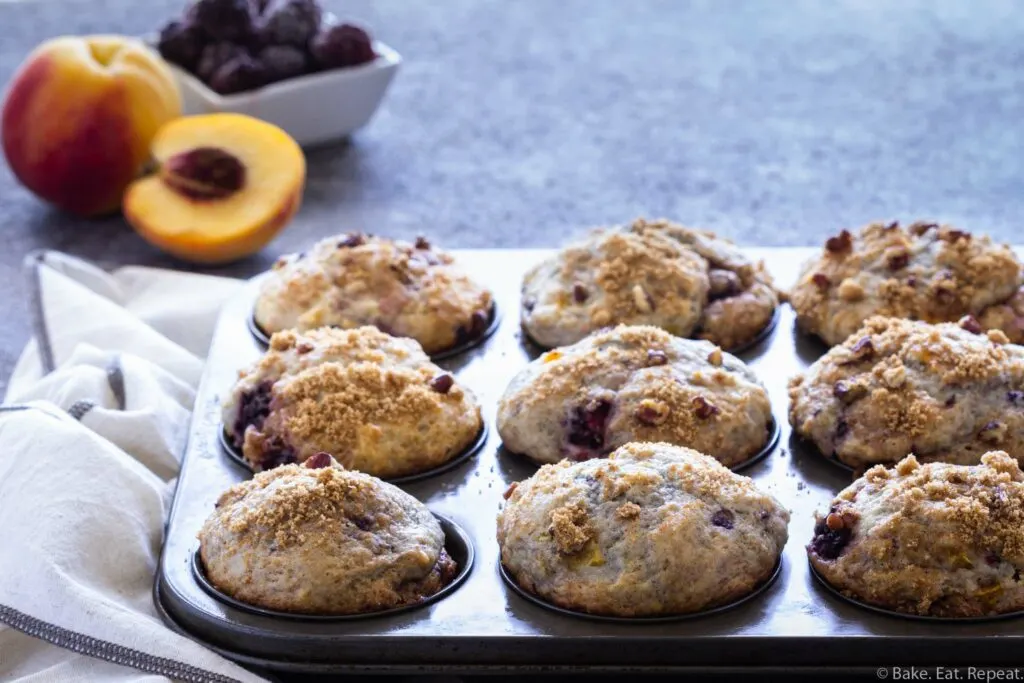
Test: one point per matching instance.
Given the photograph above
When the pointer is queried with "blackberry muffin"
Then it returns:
(652, 530)
(687, 282)
(922, 272)
(946, 392)
(634, 384)
(320, 539)
(348, 281)
(373, 401)
(933, 539)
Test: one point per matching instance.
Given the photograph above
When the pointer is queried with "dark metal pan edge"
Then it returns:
(493, 322)
(832, 590)
(639, 621)
(456, 542)
(472, 449)
(766, 450)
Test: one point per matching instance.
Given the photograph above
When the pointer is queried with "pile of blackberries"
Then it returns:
(239, 45)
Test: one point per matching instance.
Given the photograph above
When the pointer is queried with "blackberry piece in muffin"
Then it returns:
(687, 282)
(946, 392)
(922, 272)
(348, 281)
(932, 539)
(635, 384)
(653, 530)
(375, 402)
(320, 539)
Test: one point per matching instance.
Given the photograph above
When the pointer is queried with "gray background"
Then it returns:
(516, 122)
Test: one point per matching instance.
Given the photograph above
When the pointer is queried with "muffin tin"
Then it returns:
(483, 625)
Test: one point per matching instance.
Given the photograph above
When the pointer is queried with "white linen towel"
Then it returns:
(91, 436)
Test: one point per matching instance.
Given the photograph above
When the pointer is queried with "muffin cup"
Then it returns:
(472, 449)
(493, 322)
(761, 336)
(456, 542)
(823, 582)
(774, 434)
(526, 595)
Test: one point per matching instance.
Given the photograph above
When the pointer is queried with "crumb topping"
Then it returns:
(628, 510)
(922, 272)
(334, 401)
(304, 505)
(571, 528)
(412, 290)
(984, 504)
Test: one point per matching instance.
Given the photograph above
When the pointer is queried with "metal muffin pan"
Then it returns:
(661, 619)
(485, 626)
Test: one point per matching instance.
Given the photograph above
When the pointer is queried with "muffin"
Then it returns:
(652, 530)
(931, 539)
(941, 392)
(375, 402)
(320, 539)
(634, 384)
(403, 289)
(687, 282)
(923, 272)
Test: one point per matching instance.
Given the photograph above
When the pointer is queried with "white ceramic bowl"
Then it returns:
(316, 108)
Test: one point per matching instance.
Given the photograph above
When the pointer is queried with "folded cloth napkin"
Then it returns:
(91, 436)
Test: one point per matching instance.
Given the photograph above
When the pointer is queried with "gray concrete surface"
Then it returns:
(515, 122)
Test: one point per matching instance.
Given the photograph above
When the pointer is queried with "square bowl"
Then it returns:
(314, 109)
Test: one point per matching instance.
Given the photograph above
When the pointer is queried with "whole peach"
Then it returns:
(79, 118)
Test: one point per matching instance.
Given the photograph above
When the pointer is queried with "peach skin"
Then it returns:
(79, 118)
(225, 185)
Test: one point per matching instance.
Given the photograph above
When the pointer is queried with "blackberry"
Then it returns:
(283, 62)
(254, 406)
(182, 43)
(216, 55)
(587, 425)
(341, 46)
(241, 74)
(829, 543)
(223, 19)
(289, 22)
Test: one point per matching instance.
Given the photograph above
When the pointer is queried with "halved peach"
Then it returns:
(225, 185)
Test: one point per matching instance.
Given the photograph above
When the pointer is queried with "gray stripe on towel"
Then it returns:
(32, 264)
